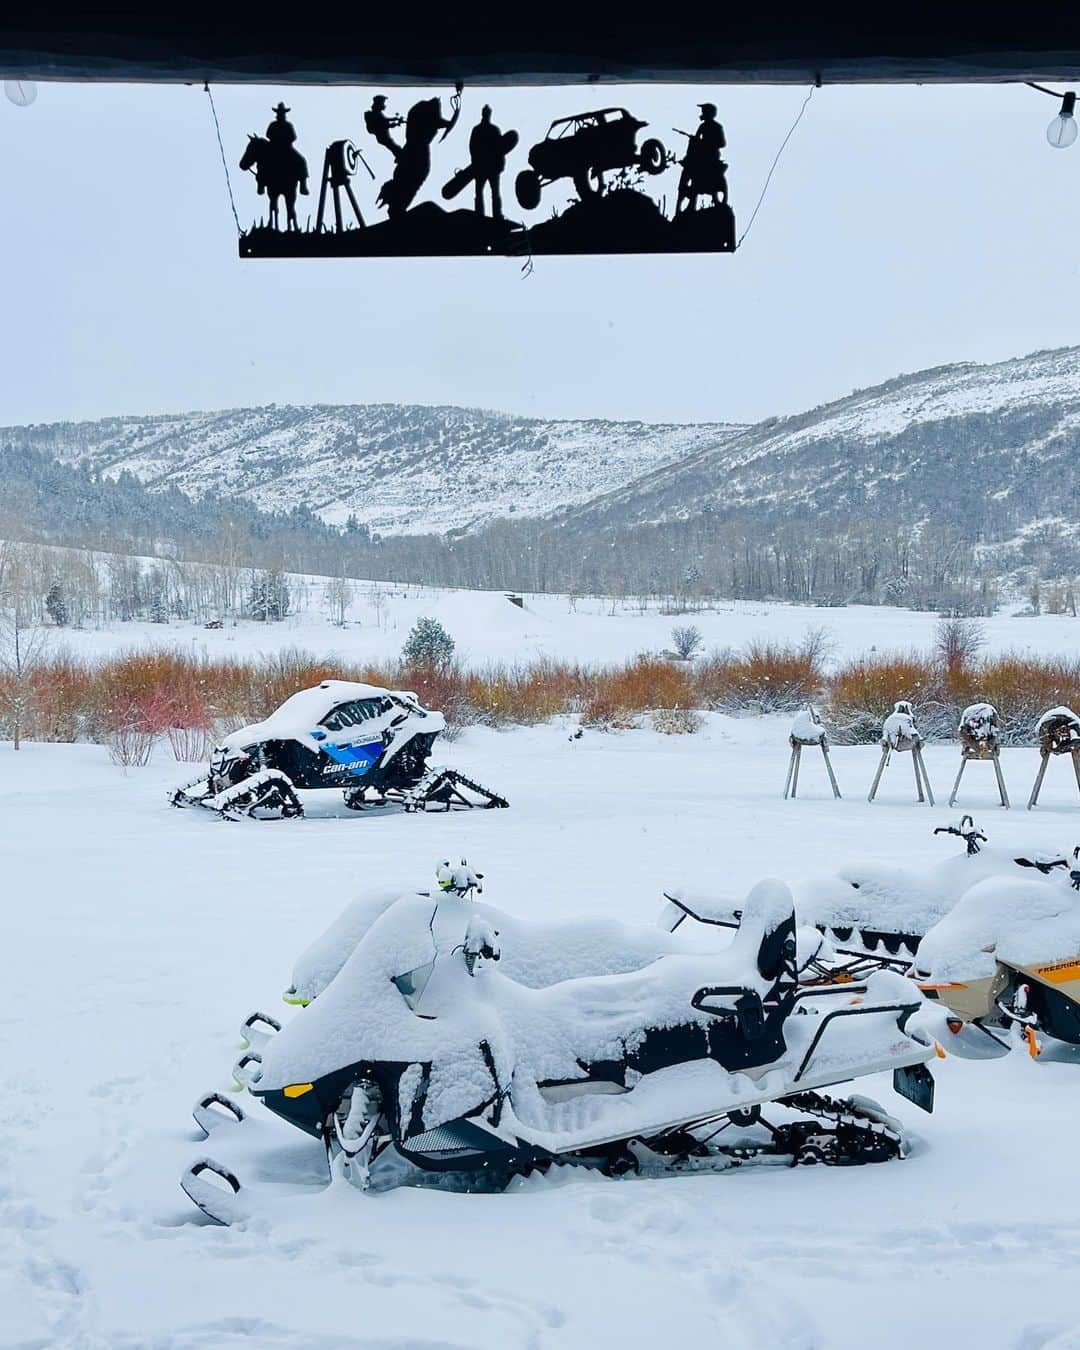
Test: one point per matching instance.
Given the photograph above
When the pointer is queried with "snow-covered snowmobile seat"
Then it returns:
(778, 925)
(741, 1026)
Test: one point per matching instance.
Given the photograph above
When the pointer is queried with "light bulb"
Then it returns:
(20, 92)
(1062, 130)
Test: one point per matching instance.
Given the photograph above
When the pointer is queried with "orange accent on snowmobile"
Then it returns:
(940, 1051)
(1034, 1048)
(1062, 972)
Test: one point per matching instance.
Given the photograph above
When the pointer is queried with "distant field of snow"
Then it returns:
(136, 937)
(487, 627)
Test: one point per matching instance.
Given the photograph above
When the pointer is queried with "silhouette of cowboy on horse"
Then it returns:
(279, 167)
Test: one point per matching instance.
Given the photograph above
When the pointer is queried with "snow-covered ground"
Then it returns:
(136, 937)
(487, 627)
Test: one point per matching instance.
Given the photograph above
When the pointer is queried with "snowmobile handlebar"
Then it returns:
(1043, 865)
(967, 830)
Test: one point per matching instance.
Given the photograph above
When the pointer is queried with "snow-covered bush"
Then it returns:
(686, 640)
(862, 693)
(130, 745)
(428, 645)
(179, 694)
(602, 712)
(676, 721)
(614, 699)
(764, 677)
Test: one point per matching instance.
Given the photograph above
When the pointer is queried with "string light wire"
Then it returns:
(224, 162)
(772, 167)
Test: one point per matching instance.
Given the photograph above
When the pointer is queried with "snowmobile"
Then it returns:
(372, 744)
(880, 911)
(991, 938)
(424, 1060)
(1005, 961)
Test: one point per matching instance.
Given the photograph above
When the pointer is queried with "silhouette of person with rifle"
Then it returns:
(487, 153)
(380, 124)
(704, 173)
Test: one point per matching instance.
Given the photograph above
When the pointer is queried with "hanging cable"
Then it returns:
(224, 162)
(772, 167)
(1043, 89)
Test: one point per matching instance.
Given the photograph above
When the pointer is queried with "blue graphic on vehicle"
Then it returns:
(358, 759)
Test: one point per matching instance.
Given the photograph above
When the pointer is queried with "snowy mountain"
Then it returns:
(991, 447)
(398, 469)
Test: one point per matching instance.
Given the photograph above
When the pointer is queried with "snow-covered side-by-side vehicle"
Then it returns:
(371, 744)
(459, 1046)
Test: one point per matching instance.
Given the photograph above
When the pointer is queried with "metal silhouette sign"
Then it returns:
(628, 193)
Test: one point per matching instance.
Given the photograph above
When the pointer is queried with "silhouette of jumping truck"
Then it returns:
(581, 148)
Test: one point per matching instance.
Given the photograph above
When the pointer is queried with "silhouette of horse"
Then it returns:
(414, 159)
(279, 171)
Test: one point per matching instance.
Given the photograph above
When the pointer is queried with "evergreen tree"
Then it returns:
(56, 605)
(269, 601)
(428, 646)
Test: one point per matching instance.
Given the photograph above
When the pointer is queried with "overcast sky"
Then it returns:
(904, 228)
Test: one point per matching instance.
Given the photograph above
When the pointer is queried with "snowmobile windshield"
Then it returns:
(412, 984)
(448, 928)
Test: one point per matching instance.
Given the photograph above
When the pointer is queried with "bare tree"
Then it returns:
(22, 640)
(958, 642)
(377, 600)
(338, 596)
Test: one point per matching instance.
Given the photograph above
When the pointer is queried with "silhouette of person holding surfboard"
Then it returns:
(488, 148)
